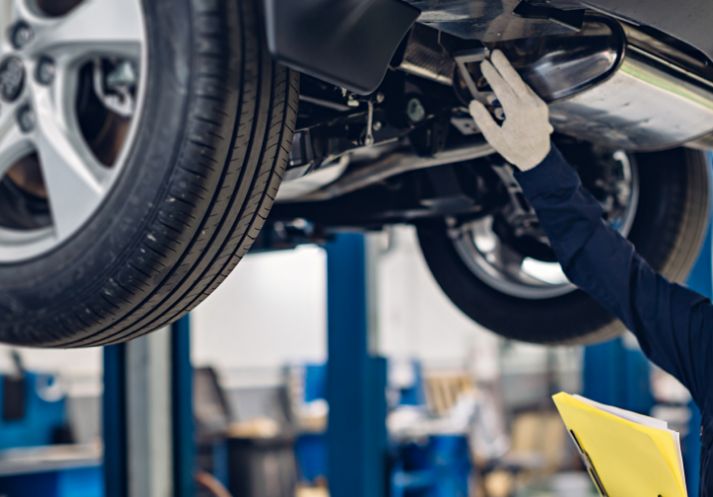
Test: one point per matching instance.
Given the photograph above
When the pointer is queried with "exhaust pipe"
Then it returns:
(617, 86)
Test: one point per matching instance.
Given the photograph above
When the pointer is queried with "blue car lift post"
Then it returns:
(357, 442)
(148, 416)
(618, 373)
(356, 392)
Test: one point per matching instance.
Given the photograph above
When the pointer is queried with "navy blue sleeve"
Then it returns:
(673, 324)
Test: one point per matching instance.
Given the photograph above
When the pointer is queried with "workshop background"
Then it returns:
(464, 413)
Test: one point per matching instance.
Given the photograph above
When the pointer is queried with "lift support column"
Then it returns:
(357, 444)
(148, 416)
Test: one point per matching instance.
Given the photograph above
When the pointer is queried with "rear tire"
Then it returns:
(200, 179)
(668, 231)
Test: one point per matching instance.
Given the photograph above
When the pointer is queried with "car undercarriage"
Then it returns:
(142, 155)
(409, 152)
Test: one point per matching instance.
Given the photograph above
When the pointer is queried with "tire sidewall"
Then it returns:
(80, 266)
(666, 199)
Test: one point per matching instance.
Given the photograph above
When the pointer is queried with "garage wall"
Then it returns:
(73, 361)
(271, 311)
(418, 320)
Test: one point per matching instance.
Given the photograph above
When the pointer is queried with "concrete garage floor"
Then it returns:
(562, 485)
(575, 484)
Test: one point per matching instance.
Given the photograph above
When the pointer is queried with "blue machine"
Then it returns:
(34, 417)
(62, 482)
(37, 418)
(436, 467)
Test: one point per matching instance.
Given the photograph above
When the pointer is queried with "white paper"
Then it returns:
(628, 415)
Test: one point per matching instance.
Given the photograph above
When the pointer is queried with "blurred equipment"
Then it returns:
(262, 463)
(211, 484)
(211, 409)
(37, 454)
(254, 457)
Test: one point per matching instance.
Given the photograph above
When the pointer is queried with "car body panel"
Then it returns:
(348, 43)
(686, 20)
(489, 21)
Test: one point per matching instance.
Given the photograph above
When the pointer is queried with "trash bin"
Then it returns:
(262, 467)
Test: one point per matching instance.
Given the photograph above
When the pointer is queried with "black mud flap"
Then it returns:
(346, 42)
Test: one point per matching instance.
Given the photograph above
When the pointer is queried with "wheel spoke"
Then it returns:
(95, 27)
(7, 14)
(13, 143)
(73, 176)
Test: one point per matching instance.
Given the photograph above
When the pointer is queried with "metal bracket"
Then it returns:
(470, 57)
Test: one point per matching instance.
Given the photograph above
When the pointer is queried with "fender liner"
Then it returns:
(345, 42)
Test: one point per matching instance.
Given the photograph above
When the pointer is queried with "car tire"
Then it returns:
(199, 181)
(668, 230)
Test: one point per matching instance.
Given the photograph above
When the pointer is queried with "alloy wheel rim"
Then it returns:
(50, 63)
(503, 268)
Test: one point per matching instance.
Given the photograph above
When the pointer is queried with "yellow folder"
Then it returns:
(626, 454)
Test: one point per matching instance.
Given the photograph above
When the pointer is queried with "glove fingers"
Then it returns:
(510, 75)
(490, 129)
(501, 87)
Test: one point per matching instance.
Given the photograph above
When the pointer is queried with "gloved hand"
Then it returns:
(524, 138)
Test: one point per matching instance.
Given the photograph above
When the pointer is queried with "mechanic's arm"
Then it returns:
(674, 325)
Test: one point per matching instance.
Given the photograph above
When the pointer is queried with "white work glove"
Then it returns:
(524, 138)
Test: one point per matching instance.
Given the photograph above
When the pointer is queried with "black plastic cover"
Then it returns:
(345, 42)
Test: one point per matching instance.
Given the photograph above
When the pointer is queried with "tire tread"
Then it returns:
(218, 204)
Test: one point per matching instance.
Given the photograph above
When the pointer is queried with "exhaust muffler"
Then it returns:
(618, 86)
